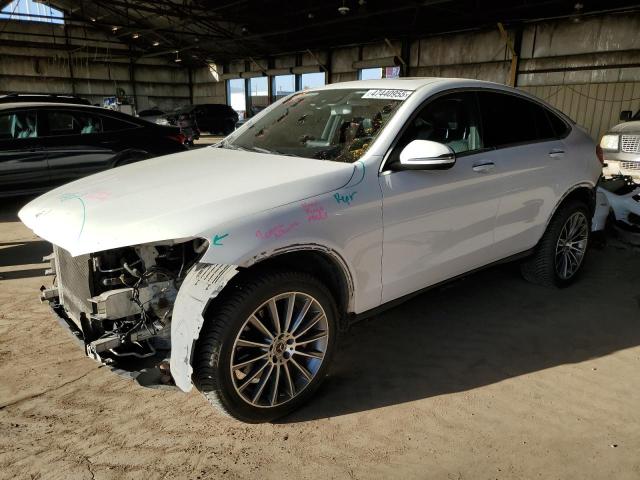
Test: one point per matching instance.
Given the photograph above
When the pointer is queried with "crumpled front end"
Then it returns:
(137, 309)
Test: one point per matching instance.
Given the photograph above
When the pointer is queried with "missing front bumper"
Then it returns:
(150, 372)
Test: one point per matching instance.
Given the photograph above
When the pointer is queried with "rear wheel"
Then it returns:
(266, 347)
(560, 255)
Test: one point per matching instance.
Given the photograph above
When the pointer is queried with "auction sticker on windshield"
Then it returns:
(388, 94)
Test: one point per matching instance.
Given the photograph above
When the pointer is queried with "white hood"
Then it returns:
(175, 196)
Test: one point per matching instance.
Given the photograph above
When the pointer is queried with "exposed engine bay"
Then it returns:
(120, 302)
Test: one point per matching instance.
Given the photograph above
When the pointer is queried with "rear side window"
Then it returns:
(111, 124)
(508, 120)
(560, 128)
(18, 125)
(73, 123)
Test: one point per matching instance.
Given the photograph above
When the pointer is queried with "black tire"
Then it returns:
(228, 127)
(541, 268)
(130, 160)
(215, 348)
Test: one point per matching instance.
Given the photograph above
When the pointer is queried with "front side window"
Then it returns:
(510, 120)
(18, 125)
(337, 124)
(73, 123)
(452, 120)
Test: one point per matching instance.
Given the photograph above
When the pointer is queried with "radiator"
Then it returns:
(74, 283)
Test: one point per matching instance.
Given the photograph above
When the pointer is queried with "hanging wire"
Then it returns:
(547, 98)
(600, 99)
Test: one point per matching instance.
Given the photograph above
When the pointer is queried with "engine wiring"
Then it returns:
(153, 279)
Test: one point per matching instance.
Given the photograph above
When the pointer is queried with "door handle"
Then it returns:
(484, 167)
(556, 153)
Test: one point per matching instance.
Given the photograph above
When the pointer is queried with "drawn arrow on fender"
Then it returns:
(217, 238)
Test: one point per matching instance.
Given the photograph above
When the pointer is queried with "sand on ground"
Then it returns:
(488, 378)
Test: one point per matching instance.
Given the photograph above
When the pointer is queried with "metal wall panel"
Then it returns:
(595, 106)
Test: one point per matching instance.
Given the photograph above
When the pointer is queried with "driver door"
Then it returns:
(439, 223)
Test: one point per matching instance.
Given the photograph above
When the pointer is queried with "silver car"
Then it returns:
(621, 146)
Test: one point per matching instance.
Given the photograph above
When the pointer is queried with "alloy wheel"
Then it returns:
(571, 245)
(279, 349)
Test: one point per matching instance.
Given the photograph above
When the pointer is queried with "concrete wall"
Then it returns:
(42, 58)
(207, 87)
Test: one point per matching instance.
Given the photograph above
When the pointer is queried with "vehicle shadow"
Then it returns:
(23, 253)
(11, 206)
(487, 328)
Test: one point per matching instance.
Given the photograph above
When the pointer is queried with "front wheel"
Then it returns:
(560, 255)
(265, 348)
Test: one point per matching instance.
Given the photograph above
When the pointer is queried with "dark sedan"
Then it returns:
(44, 145)
(211, 117)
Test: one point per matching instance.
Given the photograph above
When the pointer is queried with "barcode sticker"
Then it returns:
(388, 94)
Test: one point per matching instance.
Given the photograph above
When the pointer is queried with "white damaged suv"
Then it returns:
(234, 267)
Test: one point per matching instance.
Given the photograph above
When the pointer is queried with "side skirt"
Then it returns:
(354, 318)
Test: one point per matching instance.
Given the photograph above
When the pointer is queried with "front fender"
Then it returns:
(202, 284)
(345, 224)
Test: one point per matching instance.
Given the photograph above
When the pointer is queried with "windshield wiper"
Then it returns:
(272, 152)
(261, 150)
(231, 146)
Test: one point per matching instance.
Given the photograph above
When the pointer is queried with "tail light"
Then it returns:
(600, 154)
(178, 138)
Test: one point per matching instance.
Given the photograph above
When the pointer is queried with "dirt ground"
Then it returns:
(488, 378)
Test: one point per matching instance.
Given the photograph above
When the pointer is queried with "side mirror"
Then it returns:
(426, 155)
(625, 115)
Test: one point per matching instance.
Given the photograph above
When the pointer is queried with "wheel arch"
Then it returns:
(208, 284)
(322, 262)
(585, 192)
(129, 156)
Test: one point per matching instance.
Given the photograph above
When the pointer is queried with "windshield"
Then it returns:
(337, 124)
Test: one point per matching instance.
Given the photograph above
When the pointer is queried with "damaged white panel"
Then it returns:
(202, 284)
(601, 212)
(624, 205)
